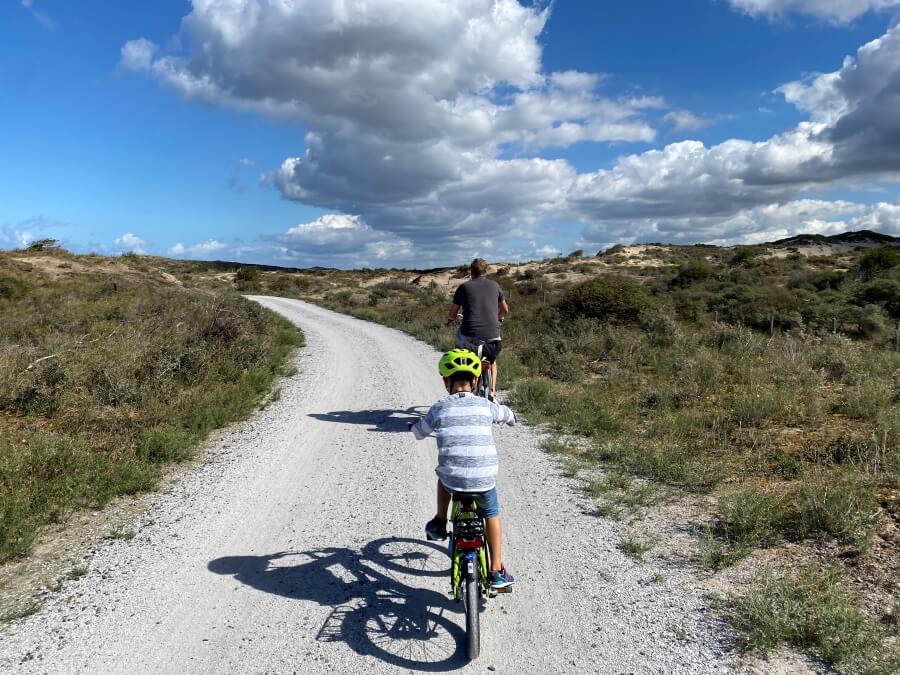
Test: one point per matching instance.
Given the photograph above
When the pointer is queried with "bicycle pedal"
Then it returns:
(506, 589)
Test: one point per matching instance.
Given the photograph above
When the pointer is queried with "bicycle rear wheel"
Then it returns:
(473, 627)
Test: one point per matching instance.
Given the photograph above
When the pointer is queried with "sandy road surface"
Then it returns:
(298, 548)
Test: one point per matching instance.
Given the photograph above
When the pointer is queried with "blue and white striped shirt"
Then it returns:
(467, 457)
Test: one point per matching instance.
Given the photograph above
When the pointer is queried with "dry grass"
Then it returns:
(107, 373)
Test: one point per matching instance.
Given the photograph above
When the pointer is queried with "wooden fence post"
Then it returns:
(772, 326)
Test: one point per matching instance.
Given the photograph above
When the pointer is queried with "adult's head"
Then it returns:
(478, 268)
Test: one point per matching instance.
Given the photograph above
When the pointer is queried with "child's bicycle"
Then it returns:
(470, 566)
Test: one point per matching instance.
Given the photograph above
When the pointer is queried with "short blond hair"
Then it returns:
(478, 268)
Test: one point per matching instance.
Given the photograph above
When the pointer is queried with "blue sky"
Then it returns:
(418, 142)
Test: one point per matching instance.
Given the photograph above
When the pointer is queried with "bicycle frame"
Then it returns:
(468, 555)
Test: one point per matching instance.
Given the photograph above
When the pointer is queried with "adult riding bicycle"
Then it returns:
(487, 353)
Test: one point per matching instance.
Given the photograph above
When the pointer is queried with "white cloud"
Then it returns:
(130, 242)
(207, 247)
(138, 54)
(834, 11)
(200, 250)
(684, 120)
(41, 17)
(341, 239)
(424, 118)
(402, 99)
(15, 236)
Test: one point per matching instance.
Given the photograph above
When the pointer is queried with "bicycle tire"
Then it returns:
(486, 376)
(473, 625)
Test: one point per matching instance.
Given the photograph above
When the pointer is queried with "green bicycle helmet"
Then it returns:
(459, 361)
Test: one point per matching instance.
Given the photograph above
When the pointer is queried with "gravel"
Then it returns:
(298, 547)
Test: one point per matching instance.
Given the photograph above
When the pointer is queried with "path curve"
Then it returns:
(297, 548)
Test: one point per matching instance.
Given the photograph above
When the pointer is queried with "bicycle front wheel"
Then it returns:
(473, 627)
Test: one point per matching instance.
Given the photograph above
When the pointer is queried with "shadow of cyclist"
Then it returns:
(375, 613)
(378, 420)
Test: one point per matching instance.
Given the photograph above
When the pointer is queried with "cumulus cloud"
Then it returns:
(130, 242)
(853, 133)
(835, 11)
(138, 55)
(402, 99)
(758, 224)
(424, 121)
(337, 239)
(202, 249)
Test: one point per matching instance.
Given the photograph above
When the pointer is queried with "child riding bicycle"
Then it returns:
(467, 456)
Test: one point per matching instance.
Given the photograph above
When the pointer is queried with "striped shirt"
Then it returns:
(467, 457)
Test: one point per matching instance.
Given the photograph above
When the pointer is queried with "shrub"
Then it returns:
(606, 297)
(840, 504)
(695, 270)
(882, 291)
(876, 260)
(247, 274)
(809, 610)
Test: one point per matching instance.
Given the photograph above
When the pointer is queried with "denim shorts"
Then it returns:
(486, 502)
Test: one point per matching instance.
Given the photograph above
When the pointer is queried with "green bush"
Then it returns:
(606, 297)
(810, 610)
(695, 270)
(877, 260)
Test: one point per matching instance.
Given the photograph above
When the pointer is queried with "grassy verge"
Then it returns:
(809, 610)
(107, 375)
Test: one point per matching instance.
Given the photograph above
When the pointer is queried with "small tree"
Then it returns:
(46, 244)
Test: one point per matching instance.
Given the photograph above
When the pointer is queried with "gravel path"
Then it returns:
(298, 548)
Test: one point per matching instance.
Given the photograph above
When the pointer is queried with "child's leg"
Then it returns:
(494, 539)
(443, 501)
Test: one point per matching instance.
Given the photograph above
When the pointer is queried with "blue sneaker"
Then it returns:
(436, 529)
(501, 579)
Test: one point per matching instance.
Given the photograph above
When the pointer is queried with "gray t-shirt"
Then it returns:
(480, 301)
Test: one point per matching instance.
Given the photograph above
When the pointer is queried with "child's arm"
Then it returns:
(502, 414)
(425, 425)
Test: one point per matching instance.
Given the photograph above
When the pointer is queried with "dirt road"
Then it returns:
(298, 548)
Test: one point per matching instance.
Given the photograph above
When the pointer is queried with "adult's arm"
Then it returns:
(454, 312)
(503, 308)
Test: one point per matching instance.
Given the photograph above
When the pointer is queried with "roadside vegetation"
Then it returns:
(110, 369)
(763, 380)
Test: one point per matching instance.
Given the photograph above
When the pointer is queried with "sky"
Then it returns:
(418, 133)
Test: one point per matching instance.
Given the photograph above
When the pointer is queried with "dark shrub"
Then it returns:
(696, 270)
(742, 255)
(877, 260)
(606, 297)
(883, 291)
(247, 274)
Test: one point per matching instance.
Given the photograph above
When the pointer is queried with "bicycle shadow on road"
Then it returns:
(374, 611)
(389, 421)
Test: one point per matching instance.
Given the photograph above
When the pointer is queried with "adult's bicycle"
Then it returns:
(485, 385)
